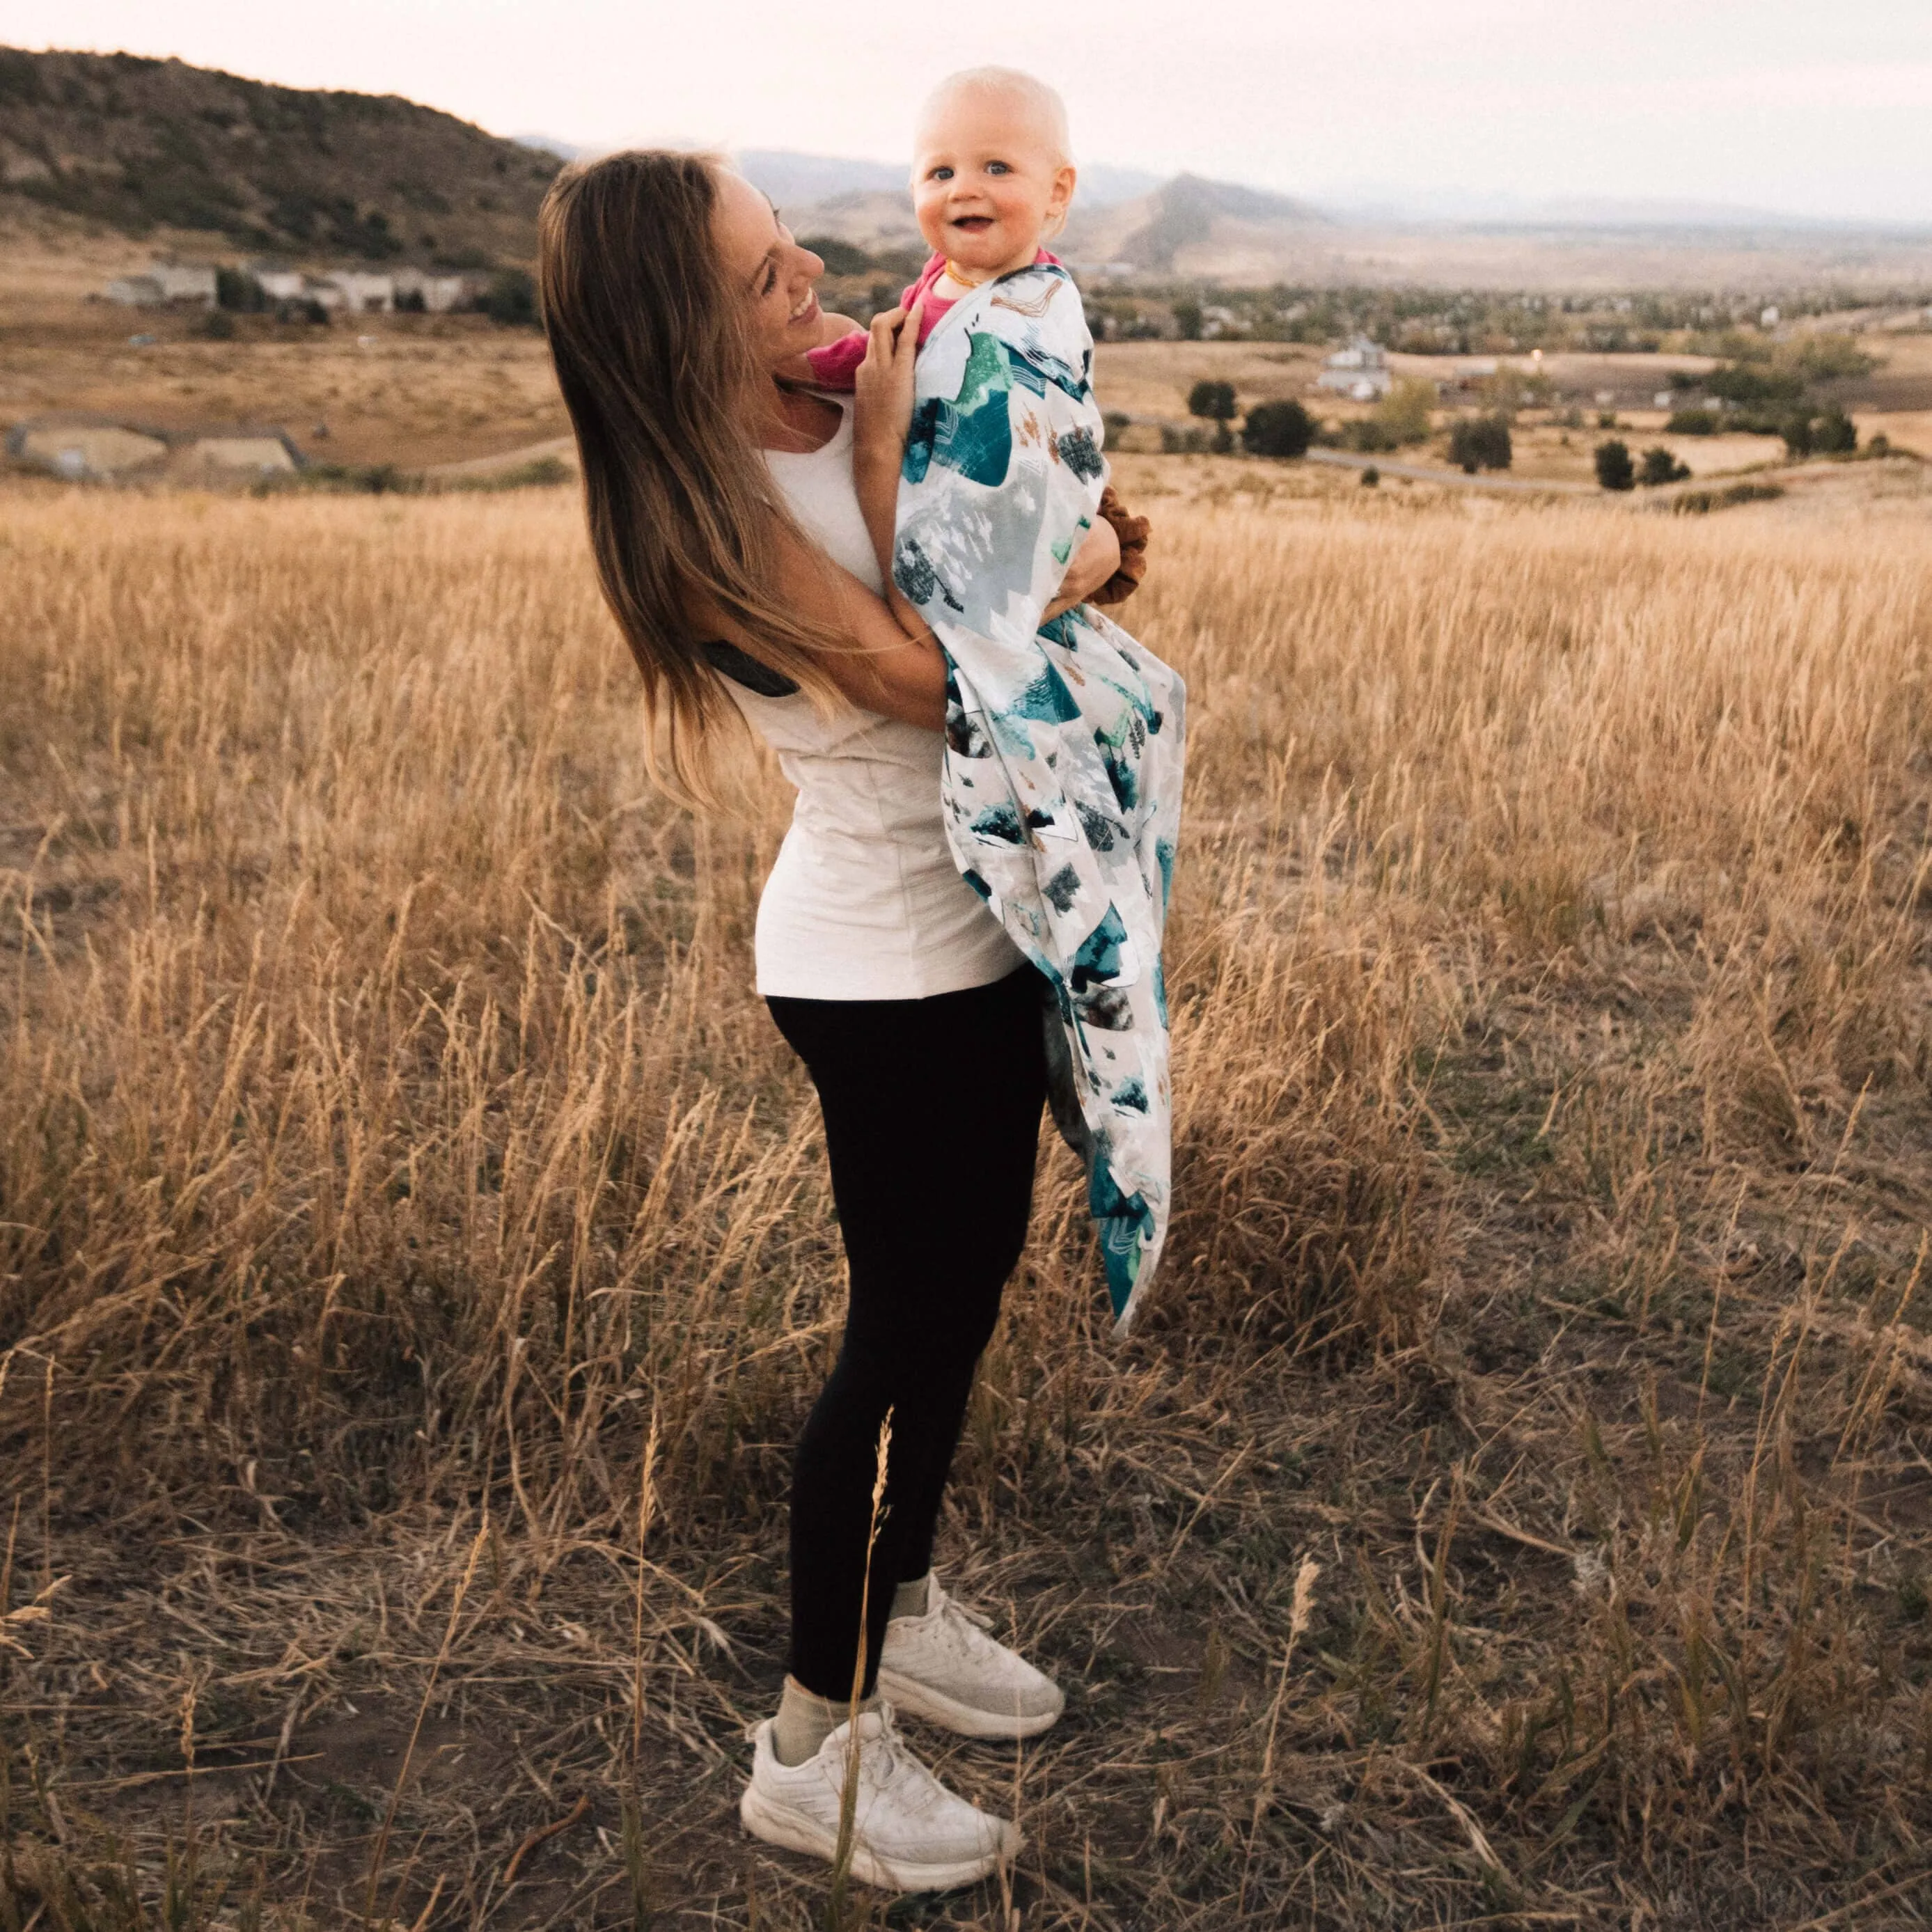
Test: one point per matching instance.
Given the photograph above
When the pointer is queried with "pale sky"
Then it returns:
(1819, 108)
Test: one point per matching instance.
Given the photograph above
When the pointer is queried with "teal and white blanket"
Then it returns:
(1064, 741)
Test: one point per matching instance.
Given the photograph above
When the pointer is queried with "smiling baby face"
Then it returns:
(991, 176)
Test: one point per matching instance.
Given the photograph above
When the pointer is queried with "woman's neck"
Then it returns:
(795, 422)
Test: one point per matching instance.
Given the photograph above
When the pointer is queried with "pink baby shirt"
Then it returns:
(836, 366)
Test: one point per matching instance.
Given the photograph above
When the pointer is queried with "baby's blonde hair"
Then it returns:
(1037, 96)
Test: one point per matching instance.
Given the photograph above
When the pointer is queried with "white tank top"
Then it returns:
(864, 902)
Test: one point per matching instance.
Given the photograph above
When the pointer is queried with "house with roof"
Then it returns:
(191, 283)
(1360, 372)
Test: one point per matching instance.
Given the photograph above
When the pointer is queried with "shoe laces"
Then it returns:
(965, 1630)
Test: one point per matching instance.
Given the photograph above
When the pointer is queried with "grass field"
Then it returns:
(1516, 1509)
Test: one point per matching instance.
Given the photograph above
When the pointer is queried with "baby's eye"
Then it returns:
(997, 168)
(940, 174)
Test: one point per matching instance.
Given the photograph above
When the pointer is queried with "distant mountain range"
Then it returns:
(138, 145)
(156, 148)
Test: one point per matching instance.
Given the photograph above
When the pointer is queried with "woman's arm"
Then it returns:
(893, 672)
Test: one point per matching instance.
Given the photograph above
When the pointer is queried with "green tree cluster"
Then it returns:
(1480, 443)
(1615, 469)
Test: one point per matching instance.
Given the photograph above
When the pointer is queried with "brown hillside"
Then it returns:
(139, 145)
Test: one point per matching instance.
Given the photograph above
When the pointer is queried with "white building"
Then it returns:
(134, 292)
(440, 293)
(164, 282)
(281, 284)
(360, 293)
(1360, 371)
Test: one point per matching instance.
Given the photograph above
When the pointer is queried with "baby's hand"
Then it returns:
(882, 389)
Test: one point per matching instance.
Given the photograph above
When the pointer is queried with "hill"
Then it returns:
(1192, 224)
(138, 145)
(1188, 226)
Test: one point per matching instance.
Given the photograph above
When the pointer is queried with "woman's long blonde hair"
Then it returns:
(653, 354)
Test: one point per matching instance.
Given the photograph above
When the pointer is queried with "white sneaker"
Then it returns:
(909, 1833)
(944, 1667)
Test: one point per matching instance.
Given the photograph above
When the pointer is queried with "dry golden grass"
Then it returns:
(1514, 1509)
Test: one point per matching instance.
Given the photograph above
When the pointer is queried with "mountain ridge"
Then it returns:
(138, 144)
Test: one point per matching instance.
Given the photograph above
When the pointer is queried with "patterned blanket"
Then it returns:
(1064, 741)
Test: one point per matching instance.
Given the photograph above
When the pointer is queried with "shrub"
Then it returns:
(1697, 502)
(1835, 433)
(217, 325)
(1826, 359)
(1278, 429)
(1371, 477)
(1796, 431)
(510, 299)
(236, 289)
(1693, 422)
(1615, 470)
(1606, 419)
(1367, 435)
(1660, 465)
(1480, 443)
(1187, 320)
(1746, 384)
(1403, 414)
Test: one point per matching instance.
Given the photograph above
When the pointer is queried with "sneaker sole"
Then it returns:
(905, 1694)
(778, 1826)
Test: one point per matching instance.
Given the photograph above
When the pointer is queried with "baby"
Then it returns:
(991, 179)
(1061, 773)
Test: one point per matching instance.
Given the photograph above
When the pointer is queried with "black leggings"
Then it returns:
(932, 1112)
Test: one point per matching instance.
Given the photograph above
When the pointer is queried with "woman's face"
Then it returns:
(775, 276)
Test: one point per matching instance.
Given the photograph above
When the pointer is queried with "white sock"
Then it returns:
(912, 1599)
(806, 1719)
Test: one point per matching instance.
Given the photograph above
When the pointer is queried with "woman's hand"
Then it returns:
(883, 387)
(1096, 560)
(882, 412)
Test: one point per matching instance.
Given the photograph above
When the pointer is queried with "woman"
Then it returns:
(728, 509)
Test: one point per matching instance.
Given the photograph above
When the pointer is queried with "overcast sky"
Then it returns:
(1820, 108)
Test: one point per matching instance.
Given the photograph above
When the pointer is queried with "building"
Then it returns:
(1360, 372)
(359, 293)
(186, 282)
(280, 285)
(84, 449)
(134, 292)
(438, 294)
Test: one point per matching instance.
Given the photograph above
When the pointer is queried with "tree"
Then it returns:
(511, 298)
(1215, 402)
(1660, 465)
(1278, 429)
(1187, 320)
(1835, 433)
(1403, 413)
(1480, 443)
(1615, 470)
(1796, 432)
(236, 289)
